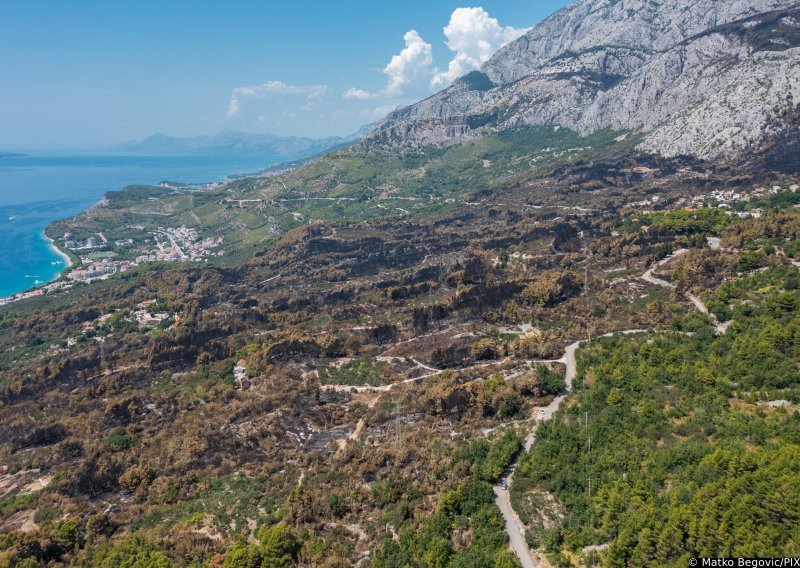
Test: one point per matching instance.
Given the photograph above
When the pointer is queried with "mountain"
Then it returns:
(698, 77)
(232, 143)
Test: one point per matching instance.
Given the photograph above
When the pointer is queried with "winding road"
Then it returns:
(720, 327)
(648, 275)
(514, 526)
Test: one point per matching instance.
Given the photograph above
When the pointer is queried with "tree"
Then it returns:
(550, 381)
(279, 545)
(614, 397)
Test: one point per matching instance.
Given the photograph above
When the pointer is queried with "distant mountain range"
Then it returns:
(233, 143)
(707, 78)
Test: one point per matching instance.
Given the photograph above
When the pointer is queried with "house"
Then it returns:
(240, 375)
(240, 370)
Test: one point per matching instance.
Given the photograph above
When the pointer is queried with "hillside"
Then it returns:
(394, 353)
(704, 78)
(251, 214)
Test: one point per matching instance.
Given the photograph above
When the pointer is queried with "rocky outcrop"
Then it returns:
(699, 77)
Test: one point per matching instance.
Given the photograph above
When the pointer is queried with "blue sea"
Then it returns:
(36, 189)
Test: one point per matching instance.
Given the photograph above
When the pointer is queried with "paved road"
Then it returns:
(514, 526)
(720, 327)
(648, 275)
(698, 303)
(515, 530)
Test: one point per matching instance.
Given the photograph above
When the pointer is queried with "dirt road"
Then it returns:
(514, 526)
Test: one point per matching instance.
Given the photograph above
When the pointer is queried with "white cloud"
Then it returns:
(474, 37)
(233, 108)
(359, 94)
(273, 88)
(410, 65)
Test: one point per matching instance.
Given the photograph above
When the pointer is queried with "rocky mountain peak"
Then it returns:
(689, 74)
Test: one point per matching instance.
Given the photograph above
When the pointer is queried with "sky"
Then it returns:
(91, 73)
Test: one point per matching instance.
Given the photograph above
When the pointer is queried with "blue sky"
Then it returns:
(89, 73)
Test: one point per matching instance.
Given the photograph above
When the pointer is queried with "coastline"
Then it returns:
(39, 289)
(38, 178)
(54, 247)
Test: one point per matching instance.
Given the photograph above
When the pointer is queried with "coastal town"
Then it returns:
(98, 257)
(171, 245)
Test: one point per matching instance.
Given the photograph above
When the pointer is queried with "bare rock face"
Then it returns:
(701, 77)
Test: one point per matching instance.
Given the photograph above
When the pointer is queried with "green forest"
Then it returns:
(673, 449)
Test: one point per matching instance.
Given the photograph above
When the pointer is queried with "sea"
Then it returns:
(38, 188)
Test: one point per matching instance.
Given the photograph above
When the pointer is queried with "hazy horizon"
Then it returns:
(110, 148)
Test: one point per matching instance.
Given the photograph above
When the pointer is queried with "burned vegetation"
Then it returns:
(347, 386)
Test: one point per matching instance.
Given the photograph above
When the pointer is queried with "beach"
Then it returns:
(54, 247)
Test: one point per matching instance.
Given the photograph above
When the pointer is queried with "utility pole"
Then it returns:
(397, 424)
(586, 266)
(586, 278)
